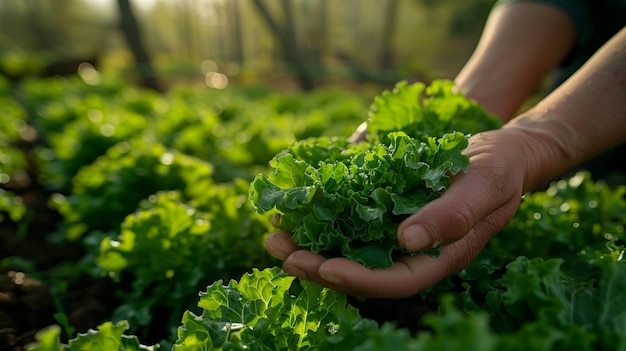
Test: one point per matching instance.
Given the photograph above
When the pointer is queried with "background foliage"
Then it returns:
(268, 41)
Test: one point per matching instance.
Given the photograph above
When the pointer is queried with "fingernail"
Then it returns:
(414, 238)
(295, 271)
(272, 251)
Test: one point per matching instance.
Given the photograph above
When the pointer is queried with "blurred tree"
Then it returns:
(50, 25)
(236, 31)
(461, 24)
(389, 25)
(286, 34)
(130, 28)
(382, 69)
(38, 37)
(317, 33)
(185, 22)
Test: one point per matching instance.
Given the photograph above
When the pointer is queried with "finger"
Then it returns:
(279, 245)
(484, 188)
(410, 274)
(404, 278)
(305, 265)
(298, 262)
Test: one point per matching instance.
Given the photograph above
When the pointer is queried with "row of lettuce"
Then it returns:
(155, 187)
(180, 164)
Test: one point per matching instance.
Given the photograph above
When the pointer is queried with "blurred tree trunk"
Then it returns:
(355, 21)
(130, 28)
(185, 29)
(237, 32)
(317, 33)
(286, 33)
(382, 71)
(44, 33)
(386, 52)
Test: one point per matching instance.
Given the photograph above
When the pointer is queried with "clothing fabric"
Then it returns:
(595, 22)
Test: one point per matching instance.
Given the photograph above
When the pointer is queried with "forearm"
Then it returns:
(520, 44)
(585, 116)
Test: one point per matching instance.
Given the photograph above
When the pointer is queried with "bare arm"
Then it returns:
(581, 119)
(520, 44)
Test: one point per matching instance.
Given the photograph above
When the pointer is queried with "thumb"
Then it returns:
(487, 192)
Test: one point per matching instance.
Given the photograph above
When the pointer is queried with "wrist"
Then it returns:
(548, 146)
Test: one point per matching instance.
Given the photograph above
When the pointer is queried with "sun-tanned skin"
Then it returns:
(583, 117)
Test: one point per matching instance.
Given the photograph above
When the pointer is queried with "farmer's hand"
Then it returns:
(476, 206)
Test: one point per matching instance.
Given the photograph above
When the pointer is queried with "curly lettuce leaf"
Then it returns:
(106, 337)
(171, 248)
(266, 310)
(575, 218)
(422, 111)
(591, 312)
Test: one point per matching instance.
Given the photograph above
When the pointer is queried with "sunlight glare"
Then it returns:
(216, 80)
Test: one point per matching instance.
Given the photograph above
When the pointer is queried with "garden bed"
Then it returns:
(126, 206)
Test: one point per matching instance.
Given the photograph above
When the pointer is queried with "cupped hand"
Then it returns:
(476, 206)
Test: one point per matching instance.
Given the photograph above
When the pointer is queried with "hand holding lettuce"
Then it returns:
(342, 199)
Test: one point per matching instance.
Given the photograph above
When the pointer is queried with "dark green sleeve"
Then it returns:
(577, 10)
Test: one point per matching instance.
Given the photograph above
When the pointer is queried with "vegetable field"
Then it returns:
(131, 220)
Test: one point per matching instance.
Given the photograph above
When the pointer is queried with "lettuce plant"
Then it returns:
(268, 310)
(12, 158)
(14, 119)
(11, 206)
(239, 130)
(422, 111)
(5, 85)
(171, 249)
(12, 161)
(351, 198)
(107, 337)
(573, 215)
(81, 141)
(112, 187)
